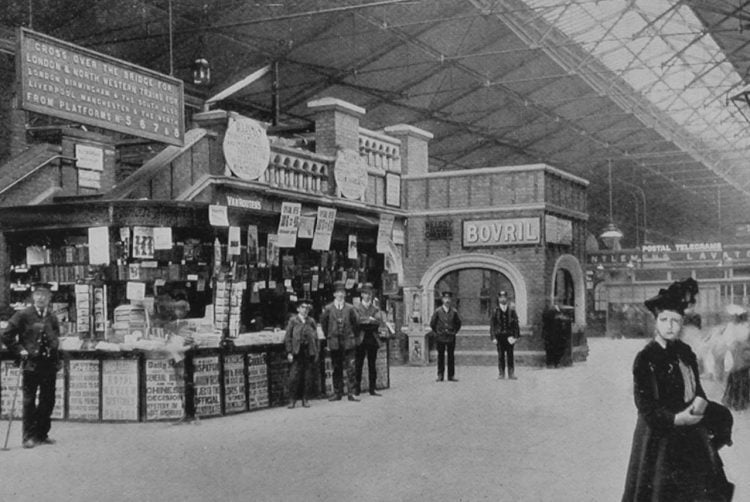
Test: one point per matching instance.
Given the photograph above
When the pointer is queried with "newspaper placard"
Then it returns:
(234, 383)
(164, 390)
(120, 389)
(324, 228)
(257, 381)
(352, 248)
(207, 387)
(385, 231)
(288, 224)
(83, 390)
(163, 238)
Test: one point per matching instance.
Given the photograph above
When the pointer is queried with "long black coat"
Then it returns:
(445, 325)
(668, 462)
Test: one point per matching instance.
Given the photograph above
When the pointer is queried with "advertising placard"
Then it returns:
(246, 147)
(164, 390)
(120, 389)
(288, 223)
(324, 228)
(83, 390)
(234, 383)
(207, 387)
(503, 232)
(67, 81)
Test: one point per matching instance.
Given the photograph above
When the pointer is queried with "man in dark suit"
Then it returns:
(339, 323)
(504, 332)
(301, 343)
(33, 334)
(369, 326)
(445, 323)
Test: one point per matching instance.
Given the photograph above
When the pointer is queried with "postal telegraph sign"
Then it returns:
(73, 83)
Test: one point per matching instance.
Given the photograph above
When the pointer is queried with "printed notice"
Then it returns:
(120, 389)
(163, 238)
(324, 228)
(288, 223)
(9, 374)
(257, 381)
(70, 82)
(83, 390)
(207, 386)
(164, 390)
(234, 383)
(218, 216)
(99, 246)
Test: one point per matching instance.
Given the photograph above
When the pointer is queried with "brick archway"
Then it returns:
(571, 264)
(475, 260)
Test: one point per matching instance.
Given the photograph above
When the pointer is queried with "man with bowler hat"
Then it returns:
(504, 332)
(33, 335)
(445, 323)
(339, 323)
(369, 326)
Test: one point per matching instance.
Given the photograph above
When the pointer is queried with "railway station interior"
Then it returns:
(182, 180)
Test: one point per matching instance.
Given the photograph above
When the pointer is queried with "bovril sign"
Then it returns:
(505, 232)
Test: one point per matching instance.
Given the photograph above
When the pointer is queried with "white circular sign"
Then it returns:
(350, 174)
(246, 148)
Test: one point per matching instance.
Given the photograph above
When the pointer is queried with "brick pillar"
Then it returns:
(414, 148)
(336, 125)
(215, 121)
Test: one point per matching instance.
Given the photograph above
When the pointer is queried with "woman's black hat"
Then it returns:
(677, 297)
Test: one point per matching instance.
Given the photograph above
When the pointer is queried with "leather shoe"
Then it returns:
(292, 405)
(335, 398)
(352, 398)
(439, 379)
(305, 404)
(501, 377)
(373, 393)
(29, 443)
(453, 379)
(47, 440)
(512, 377)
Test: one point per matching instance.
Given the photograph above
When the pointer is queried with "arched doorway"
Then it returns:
(474, 291)
(569, 287)
(476, 261)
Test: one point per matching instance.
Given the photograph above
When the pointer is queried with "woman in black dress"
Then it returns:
(678, 433)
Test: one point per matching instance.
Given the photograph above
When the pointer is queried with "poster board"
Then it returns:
(206, 385)
(164, 390)
(120, 390)
(257, 381)
(234, 383)
(83, 390)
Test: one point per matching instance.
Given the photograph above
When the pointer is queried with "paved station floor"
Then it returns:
(552, 435)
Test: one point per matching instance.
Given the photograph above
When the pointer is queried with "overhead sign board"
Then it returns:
(505, 232)
(63, 80)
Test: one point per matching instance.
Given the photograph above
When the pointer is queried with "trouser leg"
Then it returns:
(500, 358)
(441, 359)
(349, 367)
(451, 359)
(338, 371)
(46, 405)
(511, 362)
(372, 371)
(294, 378)
(30, 386)
(360, 362)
